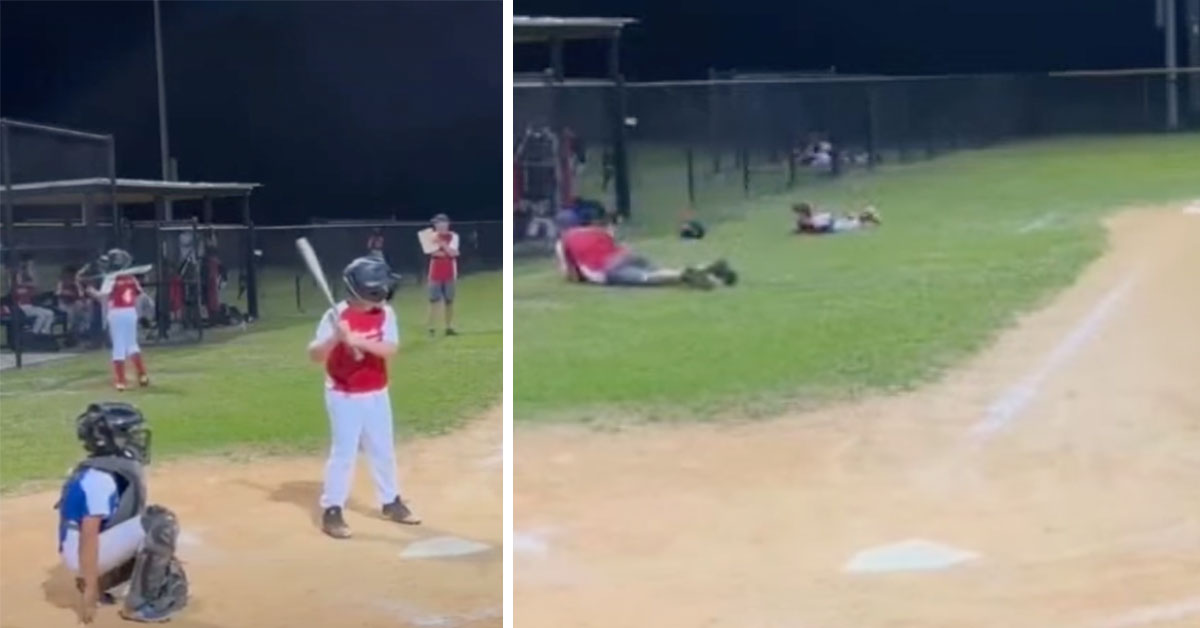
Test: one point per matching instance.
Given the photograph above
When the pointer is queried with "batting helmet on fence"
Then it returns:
(370, 279)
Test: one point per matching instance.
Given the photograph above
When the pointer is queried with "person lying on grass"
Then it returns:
(590, 254)
(812, 222)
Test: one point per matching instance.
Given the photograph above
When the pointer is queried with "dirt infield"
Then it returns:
(256, 558)
(1060, 468)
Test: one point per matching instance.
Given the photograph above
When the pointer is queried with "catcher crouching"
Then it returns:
(107, 535)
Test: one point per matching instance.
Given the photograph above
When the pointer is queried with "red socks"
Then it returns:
(119, 372)
(138, 364)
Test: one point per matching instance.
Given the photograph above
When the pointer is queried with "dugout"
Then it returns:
(60, 222)
(564, 104)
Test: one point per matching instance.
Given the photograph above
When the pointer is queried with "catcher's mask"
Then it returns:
(114, 429)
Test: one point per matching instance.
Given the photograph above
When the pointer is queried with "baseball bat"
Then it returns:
(314, 266)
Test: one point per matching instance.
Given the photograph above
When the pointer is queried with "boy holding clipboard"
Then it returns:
(441, 245)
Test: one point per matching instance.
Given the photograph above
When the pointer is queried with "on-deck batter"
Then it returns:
(122, 296)
(356, 393)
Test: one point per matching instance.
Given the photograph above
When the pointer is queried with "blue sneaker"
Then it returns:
(146, 615)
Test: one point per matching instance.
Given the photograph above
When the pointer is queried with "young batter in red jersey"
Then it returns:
(443, 274)
(591, 254)
(354, 341)
(122, 295)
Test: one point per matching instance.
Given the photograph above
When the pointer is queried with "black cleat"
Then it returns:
(399, 512)
(697, 278)
(451, 332)
(723, 271)
(333, 524)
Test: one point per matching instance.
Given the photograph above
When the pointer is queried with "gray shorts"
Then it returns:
(441, 291)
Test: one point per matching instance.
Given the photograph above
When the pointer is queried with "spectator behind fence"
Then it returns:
(70, 301)
(375, 244)
(24, 294)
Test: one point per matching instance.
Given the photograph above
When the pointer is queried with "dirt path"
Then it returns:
(256, 558)
(1066, 460)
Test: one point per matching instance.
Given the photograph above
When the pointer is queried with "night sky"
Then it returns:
(862, 36)
(340, 109)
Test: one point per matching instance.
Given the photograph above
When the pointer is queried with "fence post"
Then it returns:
(118, 228)
(691, 178)
(192, 305)
(6, 243)
(872, 129)
(251, 271)
(162, 314)
(745, 158)
(620, 150)
(791, 166)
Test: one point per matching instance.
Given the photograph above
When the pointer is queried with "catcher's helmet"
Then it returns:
(370, 279)
(114, 429)
(115, 260)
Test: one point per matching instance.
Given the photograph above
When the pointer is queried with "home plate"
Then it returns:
(442, 547)
(912, 555)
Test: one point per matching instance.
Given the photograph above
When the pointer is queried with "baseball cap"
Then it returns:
(440, 218)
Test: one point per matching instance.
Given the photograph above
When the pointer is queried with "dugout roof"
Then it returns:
(528, 29)
(128, 191)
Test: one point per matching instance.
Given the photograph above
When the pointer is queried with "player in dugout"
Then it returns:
(590, 253)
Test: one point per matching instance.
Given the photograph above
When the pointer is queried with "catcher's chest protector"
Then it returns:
(133, 497)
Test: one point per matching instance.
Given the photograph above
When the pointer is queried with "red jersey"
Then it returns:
(68, 291)
(343, 372)
(445, 268)
(23, 294)
(125, 292)
(591, 249)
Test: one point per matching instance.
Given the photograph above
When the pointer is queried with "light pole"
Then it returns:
(163, 145)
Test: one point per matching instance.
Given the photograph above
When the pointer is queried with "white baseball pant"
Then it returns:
(43, 319)
(123, 331)
(117, 545)
(356, 418)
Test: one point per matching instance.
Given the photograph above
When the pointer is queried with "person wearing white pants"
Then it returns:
(42, 318)
(354, 341)
(122, 317)
(100, 507)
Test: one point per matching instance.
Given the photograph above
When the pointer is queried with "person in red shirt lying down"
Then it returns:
(590, 253)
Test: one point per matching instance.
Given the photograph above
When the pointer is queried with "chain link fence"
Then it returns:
(708, 145)
(35, 312)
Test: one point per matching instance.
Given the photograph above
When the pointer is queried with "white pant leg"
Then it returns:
(117, 545)
(43, 319)
(379, 445)
(845, 224)
(122, 329)
(346, 415)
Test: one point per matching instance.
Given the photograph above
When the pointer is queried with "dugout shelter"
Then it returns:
(67, 221)
(543, 99)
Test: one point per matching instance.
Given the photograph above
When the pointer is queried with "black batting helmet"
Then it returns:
(114, 429)
(369, 279)
(115, 260)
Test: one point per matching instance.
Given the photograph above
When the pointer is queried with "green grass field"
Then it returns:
(256, 392)
(969, 240)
